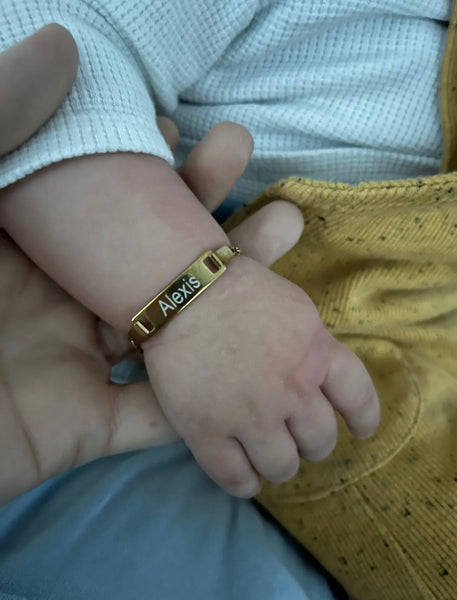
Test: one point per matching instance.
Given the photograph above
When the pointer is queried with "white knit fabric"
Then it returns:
(343, 90)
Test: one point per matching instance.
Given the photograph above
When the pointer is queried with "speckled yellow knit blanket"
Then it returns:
(380, 262)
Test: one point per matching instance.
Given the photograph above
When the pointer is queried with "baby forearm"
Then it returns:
(126, 223)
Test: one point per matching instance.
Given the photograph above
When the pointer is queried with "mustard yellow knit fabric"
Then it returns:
(380, 262)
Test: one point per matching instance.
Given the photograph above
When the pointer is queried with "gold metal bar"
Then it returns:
(187, 286)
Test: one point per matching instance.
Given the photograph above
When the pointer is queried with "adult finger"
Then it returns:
(169, 131)
(214, 166)
(270, 232)
(351, 392)
(35, 76)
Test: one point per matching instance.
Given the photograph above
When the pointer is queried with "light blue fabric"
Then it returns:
(144, 526)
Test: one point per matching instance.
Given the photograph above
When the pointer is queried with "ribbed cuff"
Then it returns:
(73, 135)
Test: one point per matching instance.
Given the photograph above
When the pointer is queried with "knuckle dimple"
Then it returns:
(258, 418)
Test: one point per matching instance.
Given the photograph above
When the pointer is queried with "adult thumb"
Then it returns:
(35, 76)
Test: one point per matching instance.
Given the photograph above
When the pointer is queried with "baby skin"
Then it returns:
(247, 374)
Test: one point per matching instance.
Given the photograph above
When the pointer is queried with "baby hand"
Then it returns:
(251, 379)
(247, 374)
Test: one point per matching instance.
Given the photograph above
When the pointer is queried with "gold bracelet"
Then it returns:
(180, 292)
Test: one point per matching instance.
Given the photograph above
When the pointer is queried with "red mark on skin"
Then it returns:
(173, 204)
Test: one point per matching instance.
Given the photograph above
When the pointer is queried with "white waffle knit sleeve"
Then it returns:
(109, 108)
(133, 55)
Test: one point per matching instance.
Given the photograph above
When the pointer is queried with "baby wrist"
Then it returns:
(187, 286)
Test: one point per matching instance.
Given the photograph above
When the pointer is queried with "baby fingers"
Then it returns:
(351, 391)
(273, 453)
(314, 427)
(226, 462)
(35, 76)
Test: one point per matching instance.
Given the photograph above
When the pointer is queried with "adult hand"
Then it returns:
(35, 77)
(58, 408)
